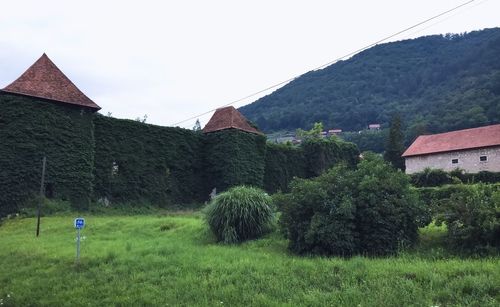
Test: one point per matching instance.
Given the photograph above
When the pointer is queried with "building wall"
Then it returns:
(31, 129)
(468, 160)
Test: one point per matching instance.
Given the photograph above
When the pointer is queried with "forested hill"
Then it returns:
(436, 83)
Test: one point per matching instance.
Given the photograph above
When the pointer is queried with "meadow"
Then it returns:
(171, 259)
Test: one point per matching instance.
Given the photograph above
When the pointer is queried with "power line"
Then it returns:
(334, 61)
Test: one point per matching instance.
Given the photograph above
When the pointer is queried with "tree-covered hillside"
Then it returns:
(436, 83)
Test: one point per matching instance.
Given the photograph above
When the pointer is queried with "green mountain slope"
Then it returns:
(436, 83)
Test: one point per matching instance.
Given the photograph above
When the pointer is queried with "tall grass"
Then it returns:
(172, 260)
(240, 214)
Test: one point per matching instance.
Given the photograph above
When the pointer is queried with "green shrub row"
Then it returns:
(433, 197)
(472, 217)
(437, 177)
(367, 210)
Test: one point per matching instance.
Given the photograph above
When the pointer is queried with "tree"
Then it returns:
(197, 125)
(314, 133)
(395, 144)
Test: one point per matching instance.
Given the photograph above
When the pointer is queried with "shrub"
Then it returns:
(370, 210)
(431, 177)
(435, 197)
(240, 214)
(472, 216)
(436, 177)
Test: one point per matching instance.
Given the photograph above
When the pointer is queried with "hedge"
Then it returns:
(433, 197)
(437, 177)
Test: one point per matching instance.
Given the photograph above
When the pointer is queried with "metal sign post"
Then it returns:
(42, 192)
(79, 224)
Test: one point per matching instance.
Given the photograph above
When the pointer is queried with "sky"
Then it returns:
(172, 60)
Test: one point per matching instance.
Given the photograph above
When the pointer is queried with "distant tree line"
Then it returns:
(436, 83)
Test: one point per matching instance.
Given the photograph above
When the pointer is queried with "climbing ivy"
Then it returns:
(143, 162)
(33, 128)
(323, 153)
(92, 157)
(283, 162)
(234, 157)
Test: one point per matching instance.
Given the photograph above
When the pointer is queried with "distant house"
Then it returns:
(334, 131)
(472, 150)
(374, 127)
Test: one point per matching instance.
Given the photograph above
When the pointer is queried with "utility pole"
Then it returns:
(42, 192)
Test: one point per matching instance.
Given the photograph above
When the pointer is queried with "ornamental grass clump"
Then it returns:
(240, 214)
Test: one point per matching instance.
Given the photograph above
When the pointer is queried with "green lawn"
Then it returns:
(172, 260)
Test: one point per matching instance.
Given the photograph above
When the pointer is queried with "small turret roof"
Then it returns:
(228, 118)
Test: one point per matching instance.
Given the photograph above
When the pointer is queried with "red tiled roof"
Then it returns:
(44, 80)
(228, 118)
(455, 140)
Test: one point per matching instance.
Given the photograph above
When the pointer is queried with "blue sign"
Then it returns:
(79, 222)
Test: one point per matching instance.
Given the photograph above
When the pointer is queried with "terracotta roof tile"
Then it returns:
(228, 118)
(455, 140)
(44, 80)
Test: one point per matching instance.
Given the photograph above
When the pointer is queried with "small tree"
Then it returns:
(314, 133)
(197, 125)
(395, 146)
(371, 210)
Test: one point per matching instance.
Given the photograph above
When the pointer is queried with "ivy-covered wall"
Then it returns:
(234, 157)
(143, 162)
(32, 128)
(310, 159)
(283, 162)
(91, 157)
(322, 154)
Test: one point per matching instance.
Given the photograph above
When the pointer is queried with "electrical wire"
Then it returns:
(334, 61)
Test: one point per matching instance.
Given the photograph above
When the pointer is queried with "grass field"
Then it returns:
(171, 260)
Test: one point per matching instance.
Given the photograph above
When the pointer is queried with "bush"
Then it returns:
(240, 214)
(48, 207)
(434, 197)
(472, 216)
(370, 210)
(431, 178)
(437, 177)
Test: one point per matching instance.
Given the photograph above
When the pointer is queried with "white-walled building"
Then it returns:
(472, 150)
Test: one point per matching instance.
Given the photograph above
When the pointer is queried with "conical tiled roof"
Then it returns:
(44, 80)
(228, 118)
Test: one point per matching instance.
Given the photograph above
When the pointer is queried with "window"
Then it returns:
(454, 161)
(483, 158)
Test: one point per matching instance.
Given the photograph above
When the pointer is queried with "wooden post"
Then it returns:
(42, 195)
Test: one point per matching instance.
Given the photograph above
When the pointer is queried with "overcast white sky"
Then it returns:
(175, 59)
